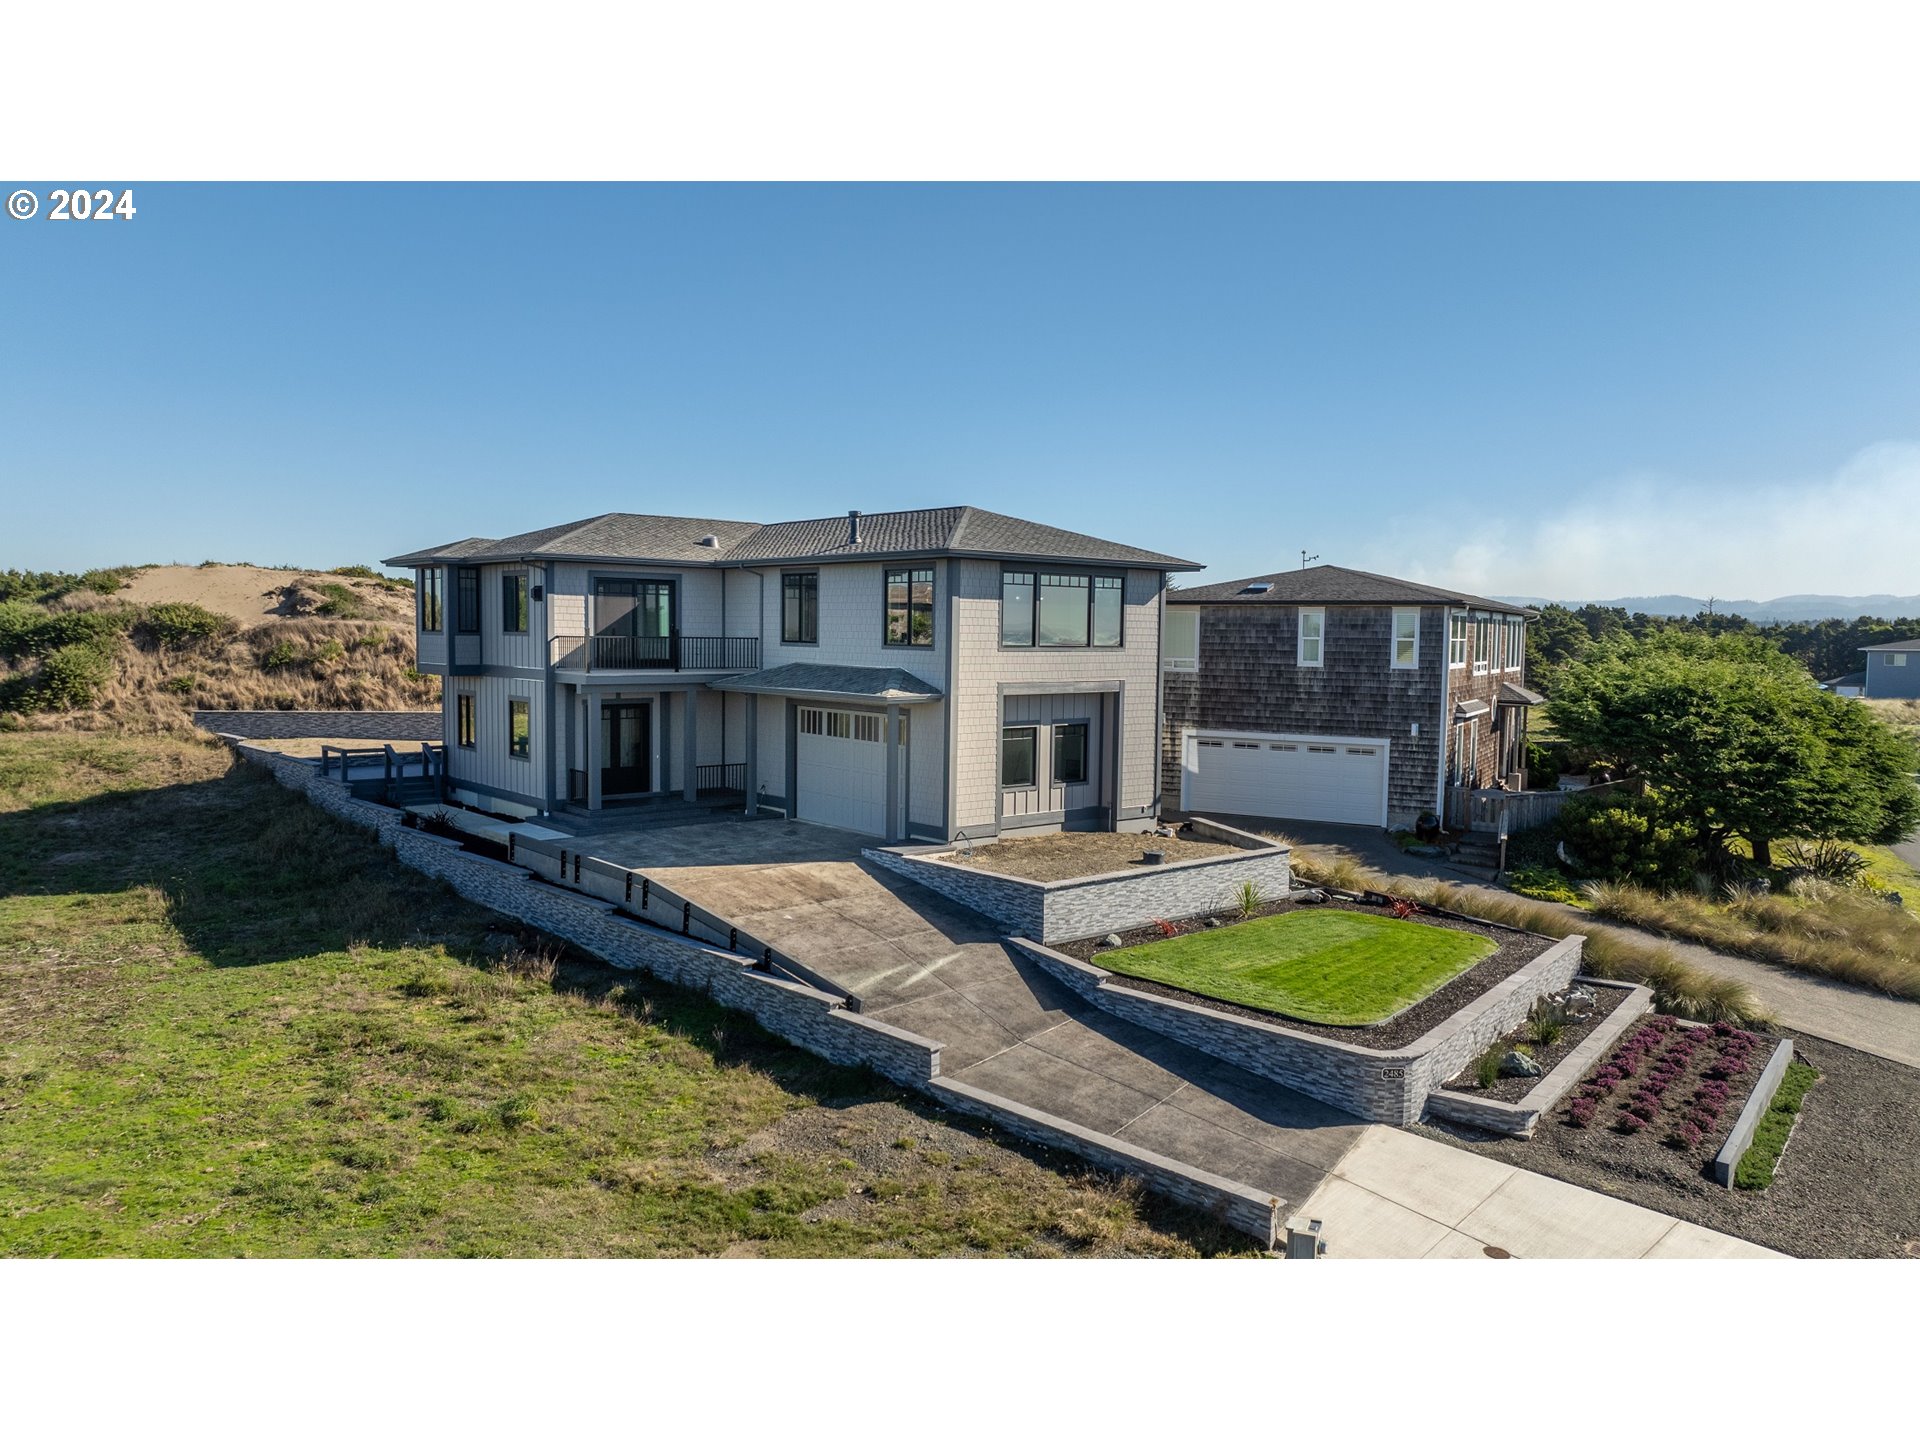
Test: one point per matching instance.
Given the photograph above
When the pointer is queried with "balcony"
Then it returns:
(639, 653)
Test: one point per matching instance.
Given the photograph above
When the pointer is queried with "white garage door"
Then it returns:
(1290, 777)
(842, 763)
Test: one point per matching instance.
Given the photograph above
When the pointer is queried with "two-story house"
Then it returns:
(906, 675)
(1337, 695)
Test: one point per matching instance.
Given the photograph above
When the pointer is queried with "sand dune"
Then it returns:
(250, 595)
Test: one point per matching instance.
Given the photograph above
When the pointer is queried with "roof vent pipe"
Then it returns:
(712, 542)
(853, 527)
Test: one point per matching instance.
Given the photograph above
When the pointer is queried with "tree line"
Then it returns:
(1825, 648)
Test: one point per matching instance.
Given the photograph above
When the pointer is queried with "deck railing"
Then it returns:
(656, 652)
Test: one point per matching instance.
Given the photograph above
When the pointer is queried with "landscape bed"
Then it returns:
(1547, 1054)
(1513, 951)
(1073, 854)
(1846, 1189)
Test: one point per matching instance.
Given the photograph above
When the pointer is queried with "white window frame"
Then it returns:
(1412, 662)
(1482, 628)
(1319, 659)
(1516, 643)
(1897, 657)
(1459, 639)
(1175, 654)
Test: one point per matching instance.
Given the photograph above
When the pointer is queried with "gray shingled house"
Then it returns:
(1893, 671)
(905, 675)
(1337, 695)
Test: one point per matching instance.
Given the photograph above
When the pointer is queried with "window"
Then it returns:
(1516, 642)
(867, 727)
(813, 722)
(1406, 639)
(1313, 630)
(1179, 637)
(513, 604)
(463, 720)
(1482, 644)
(1016, 607)
(909, 607)
(429, 598)
(839, 725)
(466, 600)
(520, 728)
(800, 608)
(1017, 744)
(1896, 658)
(1061, 611)
(1456, 642)
(1070, 754)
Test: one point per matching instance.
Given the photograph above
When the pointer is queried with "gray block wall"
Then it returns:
(377, 725)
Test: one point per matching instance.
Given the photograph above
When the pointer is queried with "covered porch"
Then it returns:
(630, 746)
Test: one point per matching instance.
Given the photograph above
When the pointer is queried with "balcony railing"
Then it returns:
(656, 652)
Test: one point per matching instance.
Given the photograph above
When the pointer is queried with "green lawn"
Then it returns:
(230, 1026)
(1333, 967)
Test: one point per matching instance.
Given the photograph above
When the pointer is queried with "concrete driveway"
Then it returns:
(937, 969)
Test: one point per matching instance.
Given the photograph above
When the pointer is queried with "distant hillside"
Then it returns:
(142, 647)
(1784, 610)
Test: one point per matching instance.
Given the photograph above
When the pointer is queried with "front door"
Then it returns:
(626, 740)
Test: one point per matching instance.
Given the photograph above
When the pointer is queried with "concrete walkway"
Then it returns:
(1861, 1019)
(926, 965)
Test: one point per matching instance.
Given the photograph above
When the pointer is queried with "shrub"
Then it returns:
(282, 654)
(1631, 1124)
(1249, 898)
(1166, 927)
(1547, 1023)
(329, 653)
(357, 572)
(1830, 860)
(1542, 882)
(1580, 1112)
(1404, 909)
(1686, 1135)
(1629, 837)
(182, 623)
(1487, 1069)
(69, 679)
(182, 684)
(27, 629)
(1544, 763)
(341, 603)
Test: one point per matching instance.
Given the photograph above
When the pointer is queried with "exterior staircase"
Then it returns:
(1477, 850)
(413, 790)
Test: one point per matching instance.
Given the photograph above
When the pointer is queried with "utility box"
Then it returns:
(1305, 1244)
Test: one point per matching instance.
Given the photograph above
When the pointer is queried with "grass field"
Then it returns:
(1333, 967)
(229, 1026)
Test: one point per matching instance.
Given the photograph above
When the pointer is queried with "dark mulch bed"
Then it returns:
(1844, 1188)
(1516, 949)
(1515, 1088)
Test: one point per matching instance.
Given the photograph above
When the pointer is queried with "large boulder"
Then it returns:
(1518, 1063)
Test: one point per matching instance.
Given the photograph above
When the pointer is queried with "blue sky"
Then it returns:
(1557, 390)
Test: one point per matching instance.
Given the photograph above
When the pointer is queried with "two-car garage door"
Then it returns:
(1288, 777)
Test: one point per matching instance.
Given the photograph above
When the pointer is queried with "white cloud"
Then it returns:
(1853, 532)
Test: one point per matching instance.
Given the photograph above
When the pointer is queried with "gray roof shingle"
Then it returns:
(1333, 585)
(673, 539)
(1895, 645)
(847, 682)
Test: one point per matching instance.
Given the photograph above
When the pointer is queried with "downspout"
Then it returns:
(547, 684)
(1446, 680)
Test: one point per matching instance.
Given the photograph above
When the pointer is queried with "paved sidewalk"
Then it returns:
(1396, 1196)
(1862, 1019)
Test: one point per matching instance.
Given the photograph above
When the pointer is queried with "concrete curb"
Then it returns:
(1740, 1138)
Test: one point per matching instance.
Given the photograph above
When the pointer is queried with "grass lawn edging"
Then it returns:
(1727, 1161)
(1389, 1087)
(808, 1018)
(1519, 1118)
(1073, 909)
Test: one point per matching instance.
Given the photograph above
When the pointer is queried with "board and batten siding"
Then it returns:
(488, 762)
(981, 666)
(1047, 796)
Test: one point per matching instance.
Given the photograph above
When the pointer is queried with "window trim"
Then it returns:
(465, 724)
(790, 575)
(1482, 644)
(508, 580)
(1060, 728)
(1516, 643)
(463, 575)
(1093, 576)
(1459, 639)
(524, 702)
(1319, 661)
(429, 585)
(1393, 642)
(932, 606)
(1032, 733)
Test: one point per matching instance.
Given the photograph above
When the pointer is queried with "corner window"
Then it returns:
(520, 728)
(1109, 596)
(1017, 745)
(909, 607)
(428, 591)
(1516, 643)
(1059, 611)
(1070, 754)
(1456, 642)
(463, 720)
(1313, 631)
(513, 604)
(1406, 639)
(466, 600)
(800, 608)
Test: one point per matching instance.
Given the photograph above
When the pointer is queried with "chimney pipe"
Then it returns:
(853, 527)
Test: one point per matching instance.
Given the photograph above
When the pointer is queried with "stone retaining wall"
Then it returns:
(1052, 911)
(1519, 1117)
(376, 725)
(811, 1019)
(1388, 1086)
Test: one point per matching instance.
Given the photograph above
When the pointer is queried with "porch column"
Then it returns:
(691, 789)
(893, 775)
(592, 749)
(753, 754)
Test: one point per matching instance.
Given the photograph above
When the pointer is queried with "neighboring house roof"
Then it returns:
(890, 685)
(1333, 585)
(1512, 694)
(1908, 645)
(1855, 680)
(670, 539)
(1464, 710)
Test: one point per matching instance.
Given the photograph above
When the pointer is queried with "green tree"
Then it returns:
(1738, 740)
